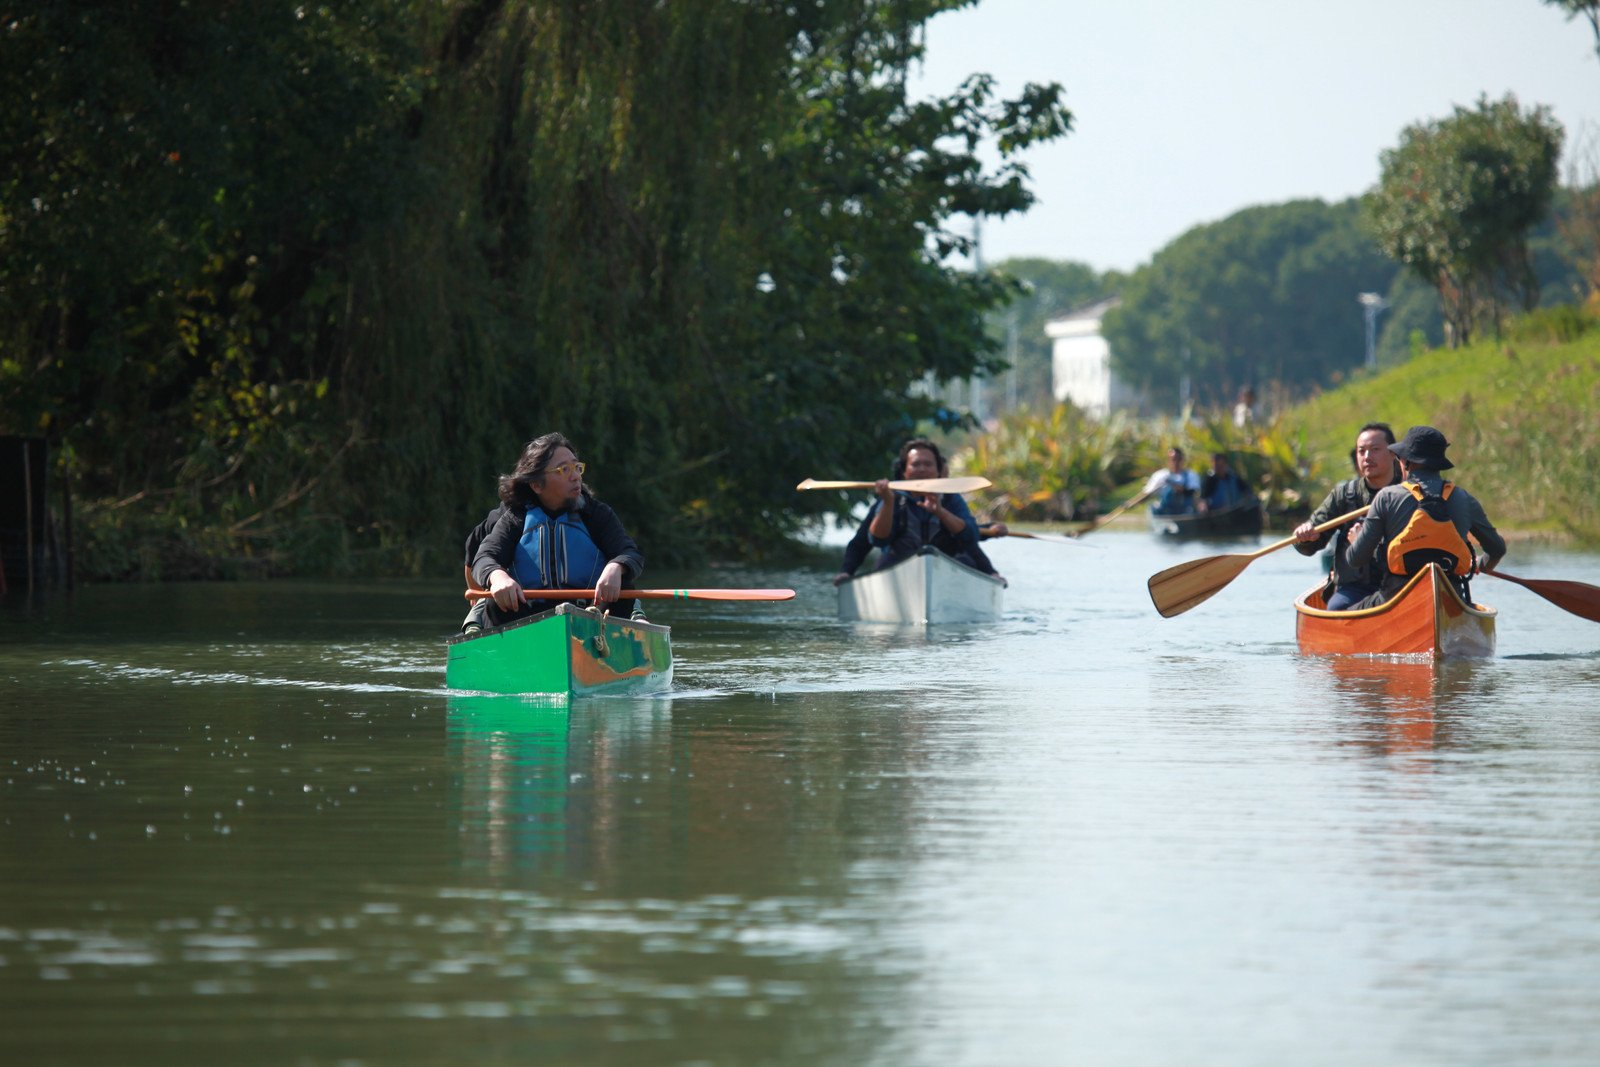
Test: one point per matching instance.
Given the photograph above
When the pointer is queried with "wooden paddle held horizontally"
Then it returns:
(970, 484)
(1177, 589)
(649, 594)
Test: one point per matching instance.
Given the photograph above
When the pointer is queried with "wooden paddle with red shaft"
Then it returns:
(1580, 599)
(1177, 589)
(648, 594)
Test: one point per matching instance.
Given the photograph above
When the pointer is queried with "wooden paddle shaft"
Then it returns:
(1053, 539)
(1331, 524)
(648, 594)
(1114, 512)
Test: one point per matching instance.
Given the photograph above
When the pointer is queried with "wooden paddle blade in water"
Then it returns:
(1177, 589)
(1580, 599)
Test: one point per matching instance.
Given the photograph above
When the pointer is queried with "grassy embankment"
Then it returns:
(1522, 414)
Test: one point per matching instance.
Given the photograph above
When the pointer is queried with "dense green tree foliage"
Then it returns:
(287, 285)
(1266, 295)
(1456, 200)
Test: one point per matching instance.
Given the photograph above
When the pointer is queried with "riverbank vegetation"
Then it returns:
(1521, 414)
(286, 287)
(1063, 465)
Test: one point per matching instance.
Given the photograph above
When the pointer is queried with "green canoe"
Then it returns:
(563, 651)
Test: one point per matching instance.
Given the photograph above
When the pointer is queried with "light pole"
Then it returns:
(1372, 305)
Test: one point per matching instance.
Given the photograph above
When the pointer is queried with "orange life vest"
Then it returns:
(1430, 537)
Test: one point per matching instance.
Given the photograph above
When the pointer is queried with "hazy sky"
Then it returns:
(1185, 111)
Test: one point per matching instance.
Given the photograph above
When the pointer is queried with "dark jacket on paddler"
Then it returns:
(1342, 499)
(1392, 509)
(499, 547)
(913, 528)
(479, 532)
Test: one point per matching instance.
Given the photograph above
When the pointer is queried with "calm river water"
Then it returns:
(247, 824)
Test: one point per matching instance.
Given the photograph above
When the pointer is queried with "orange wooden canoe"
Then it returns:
(1427, 617)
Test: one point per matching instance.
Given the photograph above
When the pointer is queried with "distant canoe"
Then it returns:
(565, 651)
(1240, 520)
(1426, 617)
(926, 588)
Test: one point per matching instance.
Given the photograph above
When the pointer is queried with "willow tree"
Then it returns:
(1456, 200)
(720, 240)
(292, 283)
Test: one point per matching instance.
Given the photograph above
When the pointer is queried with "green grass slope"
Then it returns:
(1522, 414)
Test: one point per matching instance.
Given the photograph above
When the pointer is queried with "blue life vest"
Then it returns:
(1225, 494)
(556, 552)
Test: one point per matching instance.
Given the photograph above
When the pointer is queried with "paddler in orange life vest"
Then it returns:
(1423, 520)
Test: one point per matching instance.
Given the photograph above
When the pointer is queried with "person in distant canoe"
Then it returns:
(554, 534)
(1244, 411)
(900, 524)
(1423, 520)
(1376, 467)
(1176, 484)
(1222, 487)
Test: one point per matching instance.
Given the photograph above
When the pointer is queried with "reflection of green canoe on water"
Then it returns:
(566, 650)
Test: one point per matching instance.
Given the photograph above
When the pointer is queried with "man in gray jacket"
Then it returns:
(1376, 467)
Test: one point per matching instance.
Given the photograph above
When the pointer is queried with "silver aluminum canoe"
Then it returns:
(926, 588)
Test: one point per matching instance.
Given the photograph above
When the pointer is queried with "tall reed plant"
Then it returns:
(1053, 466)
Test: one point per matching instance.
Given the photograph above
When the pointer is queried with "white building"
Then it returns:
(1080, 363)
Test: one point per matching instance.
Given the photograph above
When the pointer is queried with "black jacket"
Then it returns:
(498, 547)
(1342, 499)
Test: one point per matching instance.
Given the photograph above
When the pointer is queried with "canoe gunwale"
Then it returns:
(1244, 519)
(559, 609)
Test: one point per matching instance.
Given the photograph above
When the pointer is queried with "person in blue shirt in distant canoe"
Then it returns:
(1223, 487)
(900, 524)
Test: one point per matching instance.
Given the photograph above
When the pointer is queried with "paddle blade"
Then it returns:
(968, 484)
(1580, 599)
(812, 483)
(1177, 589)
